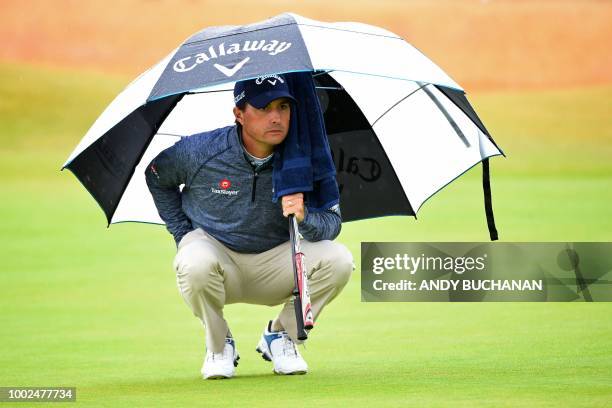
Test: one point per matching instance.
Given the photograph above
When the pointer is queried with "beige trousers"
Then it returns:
(210, 276)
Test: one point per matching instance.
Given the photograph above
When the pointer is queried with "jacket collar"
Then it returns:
(236, 143)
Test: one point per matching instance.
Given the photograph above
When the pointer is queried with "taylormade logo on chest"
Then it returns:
(272, 47)
(224, 192)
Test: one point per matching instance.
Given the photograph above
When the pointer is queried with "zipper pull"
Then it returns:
(255, 174)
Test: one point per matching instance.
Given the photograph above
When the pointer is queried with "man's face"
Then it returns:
(265, 127)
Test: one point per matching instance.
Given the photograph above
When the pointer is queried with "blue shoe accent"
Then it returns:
(270, 337)
(285, 358)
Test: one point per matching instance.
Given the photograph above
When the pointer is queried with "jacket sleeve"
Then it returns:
(318, 226)
(164, 175)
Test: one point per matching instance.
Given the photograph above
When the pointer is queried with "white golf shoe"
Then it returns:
(281, 350)
(221, 365)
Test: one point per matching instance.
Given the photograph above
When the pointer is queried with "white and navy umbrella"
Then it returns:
(400, 129)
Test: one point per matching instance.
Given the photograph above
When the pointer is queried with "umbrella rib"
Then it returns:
(447, 115)
(319, 73)
(394, 37)
(288, 24)
(242, 32)
(335, 88)
(202, 92)
(397, 103)
(168, 134)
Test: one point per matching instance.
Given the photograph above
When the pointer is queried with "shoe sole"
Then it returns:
(293, 373)
(264, 354)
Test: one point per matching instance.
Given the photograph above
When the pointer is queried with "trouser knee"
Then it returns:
(198, 272)
(339, 261)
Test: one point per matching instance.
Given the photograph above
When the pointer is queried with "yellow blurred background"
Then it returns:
(483, 45)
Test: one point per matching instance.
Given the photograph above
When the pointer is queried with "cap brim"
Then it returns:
(262, 100)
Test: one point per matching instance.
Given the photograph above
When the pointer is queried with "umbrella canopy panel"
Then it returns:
(289, 43)
(106, 167)
(429, 140)
(130, 100)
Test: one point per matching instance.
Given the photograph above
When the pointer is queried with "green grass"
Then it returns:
(96, 308)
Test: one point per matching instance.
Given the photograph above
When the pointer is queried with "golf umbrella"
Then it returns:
(399, 128)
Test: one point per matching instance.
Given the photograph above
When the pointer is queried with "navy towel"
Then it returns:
(303, 163)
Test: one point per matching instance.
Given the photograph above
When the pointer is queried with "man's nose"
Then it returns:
(275, 115)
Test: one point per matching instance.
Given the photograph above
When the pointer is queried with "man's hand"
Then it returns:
(294, 204)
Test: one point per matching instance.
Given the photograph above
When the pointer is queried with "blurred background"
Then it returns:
(483, 45)
(82, 305)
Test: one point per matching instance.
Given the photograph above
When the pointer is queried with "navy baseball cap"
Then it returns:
(260, 91)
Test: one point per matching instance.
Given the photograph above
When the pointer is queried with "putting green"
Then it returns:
(97, 308)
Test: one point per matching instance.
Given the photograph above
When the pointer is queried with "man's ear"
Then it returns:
(238, 114)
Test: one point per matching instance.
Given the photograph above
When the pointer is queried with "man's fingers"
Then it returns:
(293, 204)
(293, 197)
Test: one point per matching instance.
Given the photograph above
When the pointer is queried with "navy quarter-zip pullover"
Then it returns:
(225, 196)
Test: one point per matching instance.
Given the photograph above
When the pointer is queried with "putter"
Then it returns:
(301, 294)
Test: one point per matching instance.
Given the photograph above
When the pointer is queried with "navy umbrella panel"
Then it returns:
(399, 128)
(289, 43)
